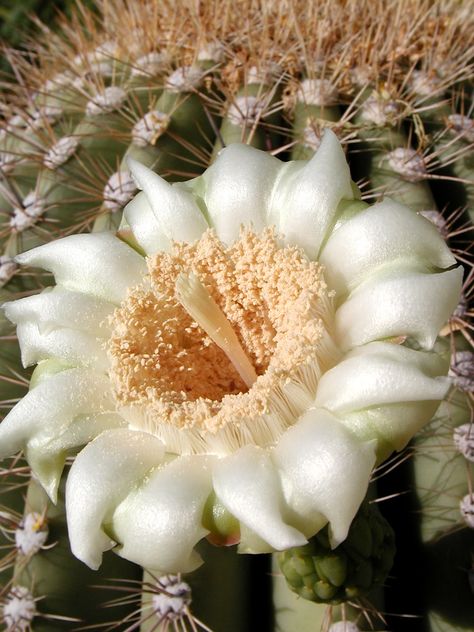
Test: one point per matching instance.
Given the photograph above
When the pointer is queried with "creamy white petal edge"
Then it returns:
(119, 491)
(123, 488)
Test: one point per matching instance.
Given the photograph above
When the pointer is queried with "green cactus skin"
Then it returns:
(378, 143)
(253, 117)
(308, 120)
(219, 592)
(443, 477)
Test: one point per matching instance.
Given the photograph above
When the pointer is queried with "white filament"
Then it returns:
(46, 115)
(211, 52)
(424, 84)
(264, 74)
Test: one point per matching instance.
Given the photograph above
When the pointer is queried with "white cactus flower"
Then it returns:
(202, 365)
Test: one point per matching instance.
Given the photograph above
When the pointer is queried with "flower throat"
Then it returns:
(164, 357)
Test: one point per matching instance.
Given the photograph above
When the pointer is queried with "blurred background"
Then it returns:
(17, 20)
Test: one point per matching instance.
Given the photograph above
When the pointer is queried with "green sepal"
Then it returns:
(224, 528)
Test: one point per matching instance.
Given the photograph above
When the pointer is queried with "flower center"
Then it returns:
(221, 346)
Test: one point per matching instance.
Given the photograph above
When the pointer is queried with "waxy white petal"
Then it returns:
(145, 227)
(306, 195)
(325, 472)
(178, 215)
(59, 307)
(74, 347)
(416, 380)
(52, 405)
(237, 190)
(99, 264)
(382, 373)
(393, 425)
(410, 303)
(159, 523)
(250, 542)
(47, 457)
(248, 485)
(101, 477)
(384, 234)
(50, 408)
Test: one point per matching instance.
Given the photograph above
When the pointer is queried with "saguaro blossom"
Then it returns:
(234, 361)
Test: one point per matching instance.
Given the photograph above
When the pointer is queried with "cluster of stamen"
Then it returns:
(221, 346)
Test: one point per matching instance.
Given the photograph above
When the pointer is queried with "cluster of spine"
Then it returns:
(170, 84)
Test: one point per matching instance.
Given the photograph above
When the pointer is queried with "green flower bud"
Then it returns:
(355, 567)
